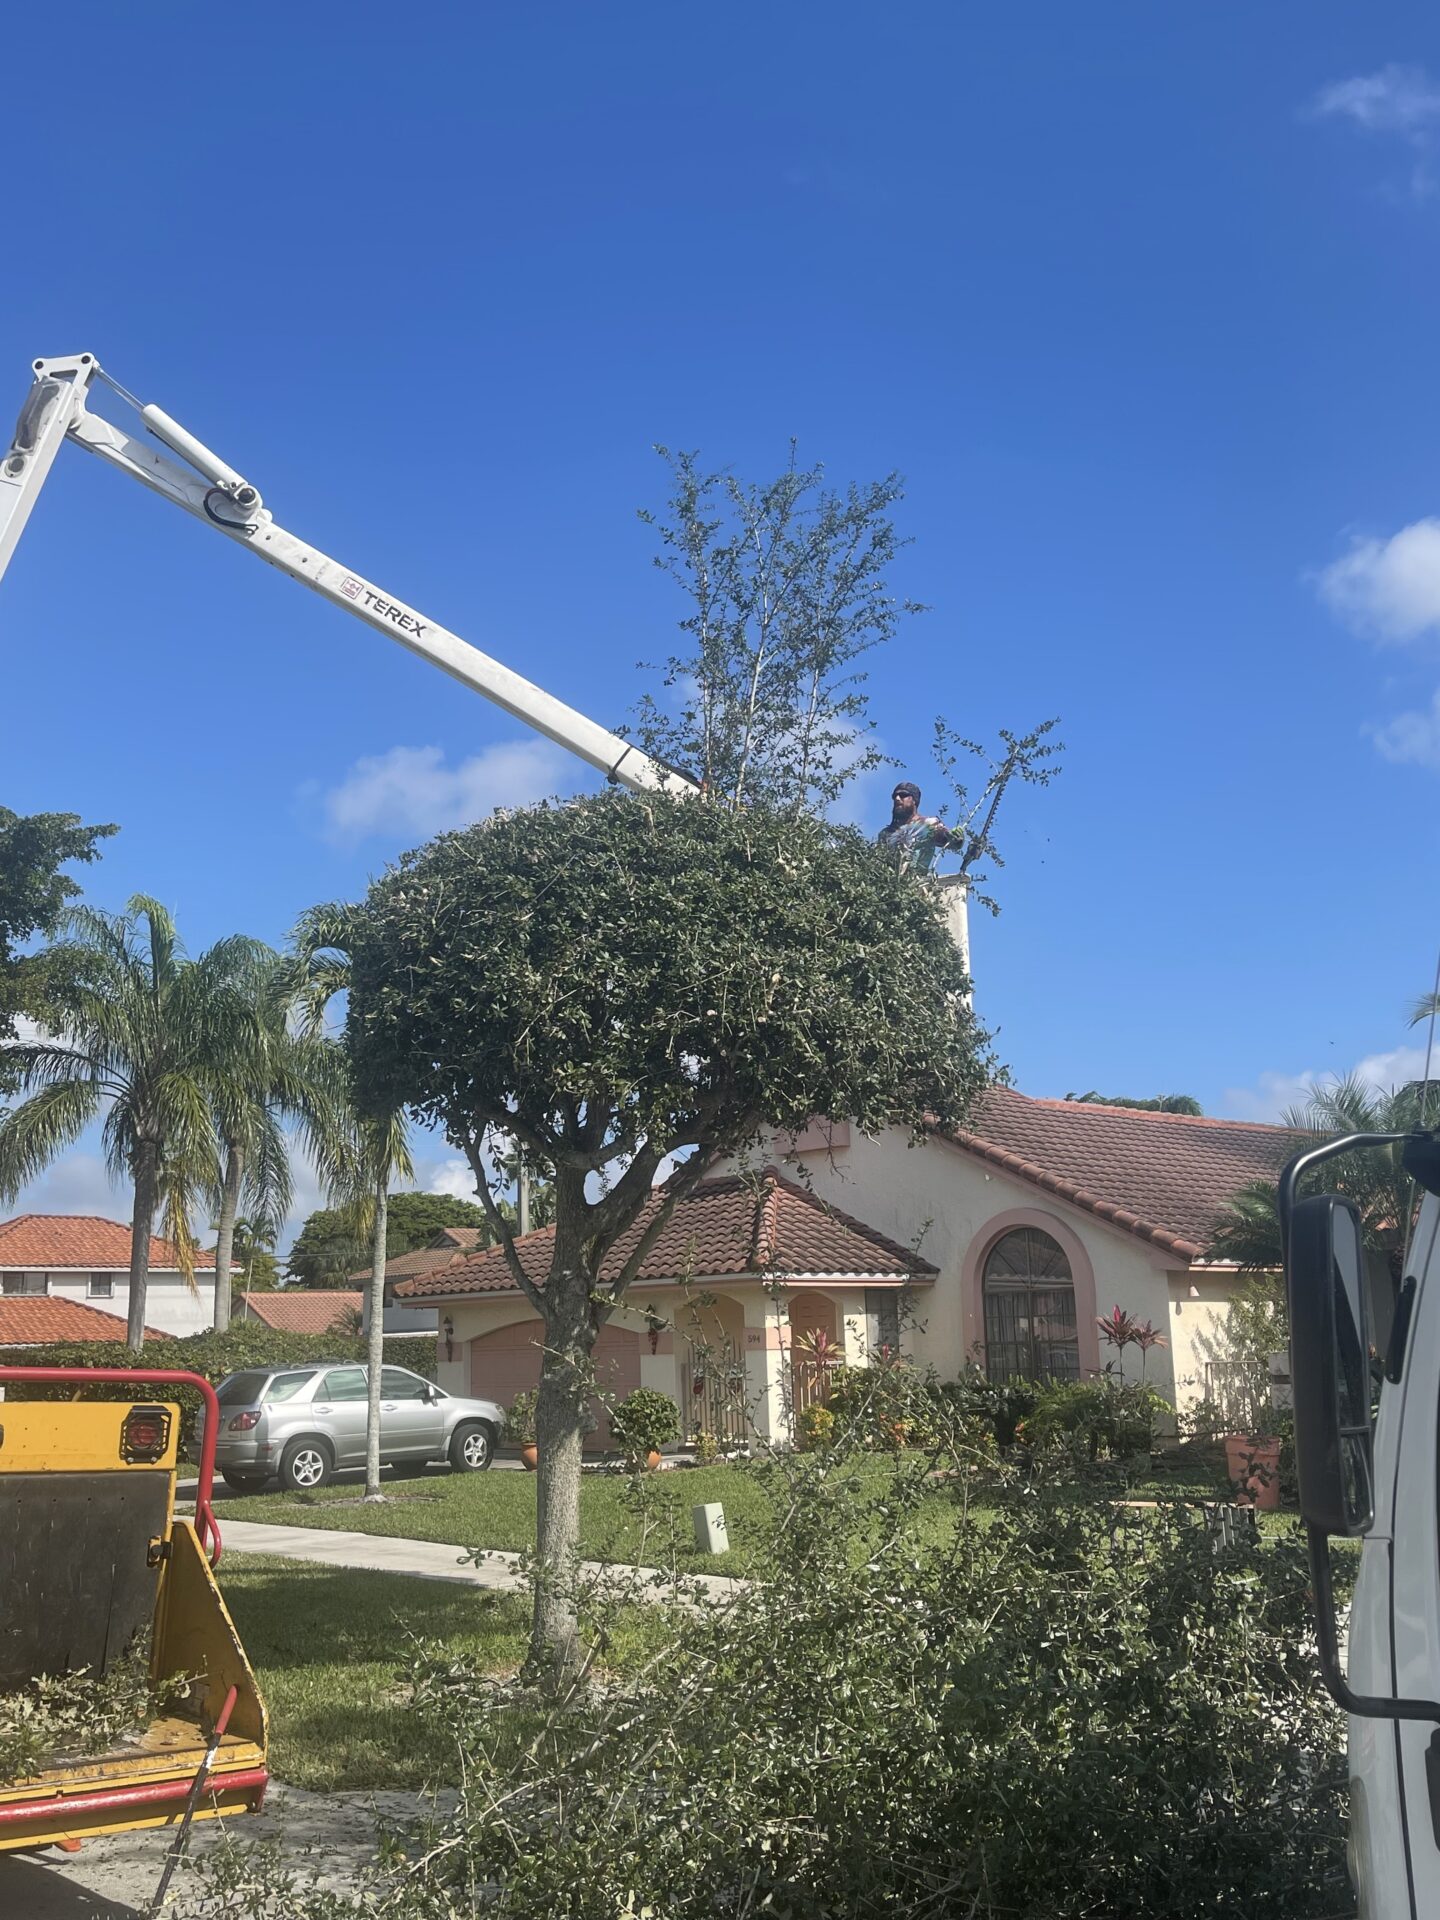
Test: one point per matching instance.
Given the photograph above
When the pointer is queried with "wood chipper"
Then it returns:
(95, 1568)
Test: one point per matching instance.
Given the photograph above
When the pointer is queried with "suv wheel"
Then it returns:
(473, 1448)
(243, 1482)
(305, 1464)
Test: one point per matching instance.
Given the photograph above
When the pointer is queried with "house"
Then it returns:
(69, 1256)
(301, 1309)
(1004, 1243)
(41, 1320)
(444, 1249)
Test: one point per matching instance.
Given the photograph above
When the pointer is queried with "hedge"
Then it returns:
(244, 1343)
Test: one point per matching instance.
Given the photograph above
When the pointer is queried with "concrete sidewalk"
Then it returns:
(427, 1560)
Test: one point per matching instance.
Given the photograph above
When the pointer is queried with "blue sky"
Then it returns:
(1140, 301)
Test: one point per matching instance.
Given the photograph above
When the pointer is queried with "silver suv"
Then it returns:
(304, 1423)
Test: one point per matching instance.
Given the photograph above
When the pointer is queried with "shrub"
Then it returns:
(890, 1403)
(1040, 1718)
(644, 1422)
(707, 1448)
(1096, 1419)
(815, 1428)
(1001, 1404)
(520, 1420)
(244, 1343)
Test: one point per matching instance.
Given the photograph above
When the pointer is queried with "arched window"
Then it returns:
(1030, 1330)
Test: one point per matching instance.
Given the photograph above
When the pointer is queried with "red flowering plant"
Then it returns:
(1120, 1330)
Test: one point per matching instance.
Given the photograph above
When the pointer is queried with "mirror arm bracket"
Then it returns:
(1364, 1706)
(1312, 1157)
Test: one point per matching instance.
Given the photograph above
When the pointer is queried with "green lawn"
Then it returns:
(646, 1523)
(646, 1526)
(331, 1648)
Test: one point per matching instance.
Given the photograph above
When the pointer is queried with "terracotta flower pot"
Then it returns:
(1253, 1463)
(531, 1457)
(642, 1462)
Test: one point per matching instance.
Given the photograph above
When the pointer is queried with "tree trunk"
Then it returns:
(147, 1198)
(375, 1355)
(225, 1230)
(562, 1415)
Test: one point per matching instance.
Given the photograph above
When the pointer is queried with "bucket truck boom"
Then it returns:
(215, 494)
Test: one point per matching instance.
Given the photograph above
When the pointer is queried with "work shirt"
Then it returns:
(916, 842)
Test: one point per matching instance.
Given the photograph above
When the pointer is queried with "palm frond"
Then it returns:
(40, 1128)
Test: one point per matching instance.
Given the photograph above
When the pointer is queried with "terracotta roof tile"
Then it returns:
(1164, 1177)
(302, 1309)
(50, 1241)
(727, 1226)
(35, 1319)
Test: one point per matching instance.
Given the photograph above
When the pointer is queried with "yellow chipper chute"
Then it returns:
(95, 1566)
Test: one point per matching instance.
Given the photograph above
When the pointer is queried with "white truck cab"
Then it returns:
(1376, 1480)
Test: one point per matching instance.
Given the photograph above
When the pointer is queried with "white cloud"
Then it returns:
(452, 1177)
(410, 790)
(1274, 1094)
(1389, 589)
(1411, 738)
(1396, 99)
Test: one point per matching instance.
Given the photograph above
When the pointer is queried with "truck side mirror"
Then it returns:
(1330, 1365)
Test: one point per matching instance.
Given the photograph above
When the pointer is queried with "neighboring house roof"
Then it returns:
(302, 1309)
(54, 1240)
(729, 1226)
(448, 1245)
(1164, 1177)
(35, 1319)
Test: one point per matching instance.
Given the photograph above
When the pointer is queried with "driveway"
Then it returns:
(328, 1835)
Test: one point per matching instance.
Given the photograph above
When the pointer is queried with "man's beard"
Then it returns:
(898, 817)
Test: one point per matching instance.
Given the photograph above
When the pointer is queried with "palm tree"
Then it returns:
(278, 1075)
(359, 1173)
(253, 1240)
(147, 1037)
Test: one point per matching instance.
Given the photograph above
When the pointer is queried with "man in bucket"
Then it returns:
(914, 837)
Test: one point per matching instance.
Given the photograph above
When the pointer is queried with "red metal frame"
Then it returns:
(205, 1525)
(157, 1793)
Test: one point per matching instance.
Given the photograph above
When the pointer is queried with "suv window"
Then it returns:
(344, 1383)
(397, 1384)
(285, 1386)
(242, 1389)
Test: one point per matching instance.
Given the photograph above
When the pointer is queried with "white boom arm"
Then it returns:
(215, 494)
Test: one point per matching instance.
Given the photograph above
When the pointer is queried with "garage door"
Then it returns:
(507, 1362)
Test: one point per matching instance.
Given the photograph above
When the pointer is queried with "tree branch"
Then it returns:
(501, 1226)
(680, 1185)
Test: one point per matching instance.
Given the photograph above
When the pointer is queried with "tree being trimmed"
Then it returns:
(622, 980)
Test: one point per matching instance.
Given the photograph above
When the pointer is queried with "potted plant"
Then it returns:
(1252, 1462)
(520, 1428)
(644, 1422)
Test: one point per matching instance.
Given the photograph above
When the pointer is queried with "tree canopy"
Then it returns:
(787, 586)
(1157, 1103)
(330, 1248)
(620, 978)
(624, 979)
(34, 892)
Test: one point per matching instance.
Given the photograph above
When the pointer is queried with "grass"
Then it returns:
(646, 1525)
(331, 1648)
(645, 1522)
